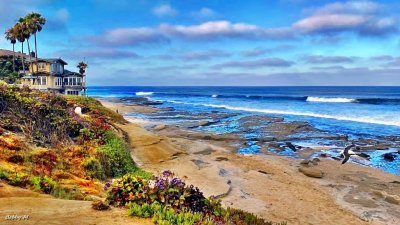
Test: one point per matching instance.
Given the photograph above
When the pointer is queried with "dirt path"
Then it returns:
(44, 210)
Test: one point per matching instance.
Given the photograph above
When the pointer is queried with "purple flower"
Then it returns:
(177, 182)
(167, 173)
(106, 186)
(160, 184)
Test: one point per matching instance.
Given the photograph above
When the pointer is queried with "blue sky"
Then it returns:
(215, 42)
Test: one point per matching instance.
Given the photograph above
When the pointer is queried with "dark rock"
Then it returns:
(291, 146)
(305, 162)
(222, 172)
(316, 160)
(219, 159)
(263, 172)
(323, 155)
(390, 156)
(364, 155)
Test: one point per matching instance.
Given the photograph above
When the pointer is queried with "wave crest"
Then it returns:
(338, 100)
(309, 114)
(143, 93)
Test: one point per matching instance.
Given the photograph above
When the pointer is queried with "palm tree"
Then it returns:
(26, 31)
(19, 32)
(36, 23)
(82, 67)
(11, 36)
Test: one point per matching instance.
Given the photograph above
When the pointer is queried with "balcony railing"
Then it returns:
(81, 84)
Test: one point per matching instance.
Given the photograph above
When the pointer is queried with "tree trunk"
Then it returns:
(13, 57)
(29, 51)
(37, 68)
(23, 62)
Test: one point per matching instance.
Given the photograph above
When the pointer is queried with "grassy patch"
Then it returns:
(93, 168)
(115, 158)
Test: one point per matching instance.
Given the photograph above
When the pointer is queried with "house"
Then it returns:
(50, 75)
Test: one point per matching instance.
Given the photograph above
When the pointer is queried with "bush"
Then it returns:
(169, 201)
(167, 216)
(114, 156)
(93, 168)
(16, 159)
(100, 205)
(166, 189)
(44, 161)
(20, 179)
(145, 210)
(3, 174)
(43, 183)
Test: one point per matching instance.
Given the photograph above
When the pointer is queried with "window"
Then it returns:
(41, 66)
(42, 81)
(58, 81)
(72, 92)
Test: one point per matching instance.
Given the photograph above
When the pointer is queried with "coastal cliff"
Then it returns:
(57, 147)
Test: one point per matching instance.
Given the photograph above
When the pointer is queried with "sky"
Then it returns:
(219, 42)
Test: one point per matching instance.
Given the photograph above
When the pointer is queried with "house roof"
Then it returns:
(50, 60)
(70, 73)
(4, 52)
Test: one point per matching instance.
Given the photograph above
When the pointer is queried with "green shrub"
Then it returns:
(19, 179)
(43, 183)
(3, 174)
(167, 216)
(114, 156)
(93, 168)
(145, 210)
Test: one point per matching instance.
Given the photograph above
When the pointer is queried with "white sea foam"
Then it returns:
(320, 99)
(142, 93)
(214, 96)
(309, 114)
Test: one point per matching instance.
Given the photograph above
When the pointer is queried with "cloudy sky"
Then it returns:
(220, 42)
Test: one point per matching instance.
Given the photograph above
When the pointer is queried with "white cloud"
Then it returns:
(204, 31)
(362, 17)
(165, 10)
(203, 13)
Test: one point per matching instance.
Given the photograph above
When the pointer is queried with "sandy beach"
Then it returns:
(269, 185)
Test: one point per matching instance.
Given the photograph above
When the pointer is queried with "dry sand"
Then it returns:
(45, 210)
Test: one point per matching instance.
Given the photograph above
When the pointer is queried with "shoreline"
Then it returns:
(265, 184)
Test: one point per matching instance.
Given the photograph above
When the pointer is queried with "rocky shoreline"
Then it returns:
(268, 184)
(266, 134)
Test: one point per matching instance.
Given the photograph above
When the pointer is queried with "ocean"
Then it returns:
(358, 112)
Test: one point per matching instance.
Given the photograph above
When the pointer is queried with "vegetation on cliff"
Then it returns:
(48, 147)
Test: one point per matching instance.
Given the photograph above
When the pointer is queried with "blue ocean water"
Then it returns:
(359, 112)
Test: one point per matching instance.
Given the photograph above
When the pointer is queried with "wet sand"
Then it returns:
(269, 185)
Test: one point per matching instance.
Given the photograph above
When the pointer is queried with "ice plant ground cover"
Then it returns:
(168, 200)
